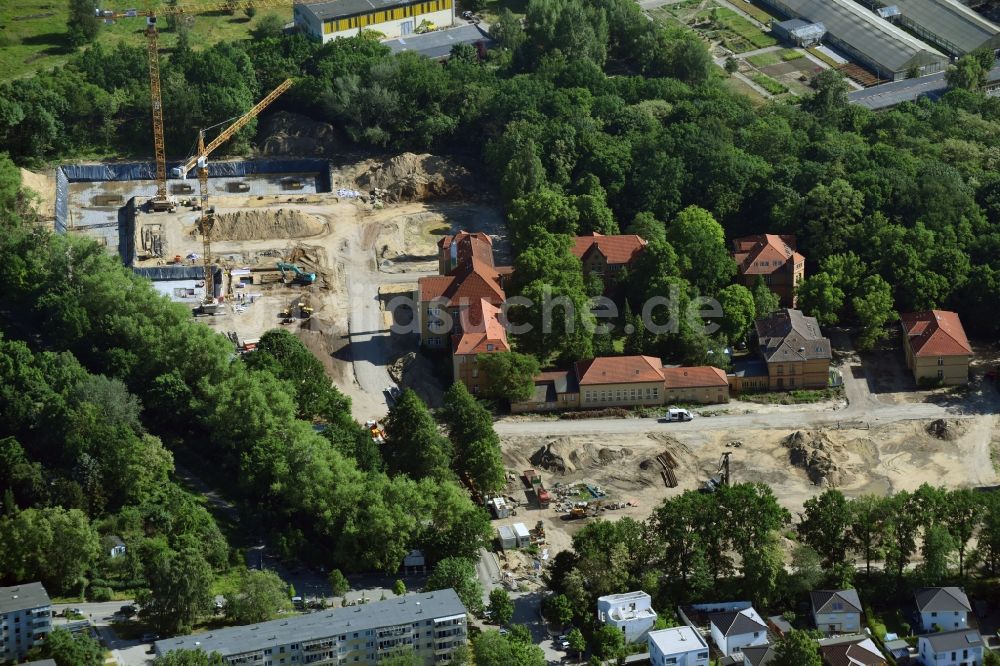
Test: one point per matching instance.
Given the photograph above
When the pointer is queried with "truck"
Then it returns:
(534, 483)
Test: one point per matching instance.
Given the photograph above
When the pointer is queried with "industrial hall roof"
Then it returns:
(438, 43)
(954, 26)
(343, 8)
(866, 32)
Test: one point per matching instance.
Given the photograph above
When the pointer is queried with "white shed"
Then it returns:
(522, 535)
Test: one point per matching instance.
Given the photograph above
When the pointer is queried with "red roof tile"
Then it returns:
(481, 327)
(694, 377)
(463, 247)
(764, 253)
(616, 249)
(470, 284)
(619, 370)
(935, 333)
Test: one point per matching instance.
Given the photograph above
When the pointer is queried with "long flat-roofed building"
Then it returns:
(431, 625)
(949, 24)
(25, 618)
(324, 21)
(876, 44)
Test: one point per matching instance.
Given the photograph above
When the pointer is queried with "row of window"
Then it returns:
(621, 394)
(395, 14)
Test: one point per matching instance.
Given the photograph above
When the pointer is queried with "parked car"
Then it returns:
(562, 642)
(127, 611)
(148, 637)
(677, 414)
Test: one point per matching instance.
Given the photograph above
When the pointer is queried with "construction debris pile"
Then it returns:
(666, 463)
(814, 453)
(263, 224)
(943, 430)
(410, 177)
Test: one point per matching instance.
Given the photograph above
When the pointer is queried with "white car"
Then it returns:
(677, 414)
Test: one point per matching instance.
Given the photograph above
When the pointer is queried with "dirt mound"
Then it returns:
(44, 185)
(554, 457)
(561, 456)
(265, 224)
(295, 135)
(946, 430)
(818, 456)
(410, 177)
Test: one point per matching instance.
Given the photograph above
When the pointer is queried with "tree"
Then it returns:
(962, 514)
(413, 444)
(475, 442)
(577, 642)
(338, 583)
(508, 376)
(797, 648)
(967, 73)
(732, 65)
(501, 608)
(762, 570)
(820, 297)
(179, 590)
(873, 309)
(867, 516)
(936, 550)
(53, 545)
(738, 311)
(399, 588)
(608, 642)
(765, 301)
(559, 609)
(190, 658)
(259, 596)
(806, 569)
(700, 243)
(825, 525)
(250, 11)
(492, 649)
(68, 649)
(82, 25)
(830, 97)
(269, 26)
(647, 227)
(458, 573)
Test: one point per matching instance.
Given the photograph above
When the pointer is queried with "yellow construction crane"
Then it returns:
(200, 160)
(161, 201)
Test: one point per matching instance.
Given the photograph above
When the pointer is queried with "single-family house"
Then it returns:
(942, 608)
(936, 347)
(677, 646)
(735, 630)
(704, 384)
(951, 648)
(631, 612)
(836, 611)
(607, 255)
(773, 258)
(794, 349)
(856, 650)
(114, 545)
(758, 655)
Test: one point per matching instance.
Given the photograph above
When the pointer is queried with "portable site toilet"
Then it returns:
(522, 535)
(507, 539)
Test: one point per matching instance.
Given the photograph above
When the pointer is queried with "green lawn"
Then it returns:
(735, 32)
(774, 57)
(32, 32)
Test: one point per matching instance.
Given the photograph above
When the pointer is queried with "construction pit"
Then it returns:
(368, 238)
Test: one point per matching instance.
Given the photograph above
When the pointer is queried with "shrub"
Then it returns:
(100, 594)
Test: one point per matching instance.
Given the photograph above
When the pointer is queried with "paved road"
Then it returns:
(873, 414)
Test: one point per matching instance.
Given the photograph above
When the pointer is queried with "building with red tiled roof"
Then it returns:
(606, 255)
(704, 384)
(937, 349)
(773, 258)
(482, 332)
(442, 298)
(459, 250)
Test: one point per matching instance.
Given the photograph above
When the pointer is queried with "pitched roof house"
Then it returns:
(732, 631)
(936, 346)
(951, 647)
(856, 650)
(772, 258)
(942, 608)
(836, 611)
(706, 384)
(606, 255)
(794, 349)
(481, 332)
(459, 250)
(758, 655)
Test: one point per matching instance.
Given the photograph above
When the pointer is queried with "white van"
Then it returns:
(677, 414)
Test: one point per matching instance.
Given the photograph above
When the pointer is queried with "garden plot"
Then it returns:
(720, 24)
(794, 74)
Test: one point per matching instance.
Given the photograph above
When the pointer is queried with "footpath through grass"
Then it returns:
(33, 32)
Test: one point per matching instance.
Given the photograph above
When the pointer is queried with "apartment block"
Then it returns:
(431, 625)
(25, 618)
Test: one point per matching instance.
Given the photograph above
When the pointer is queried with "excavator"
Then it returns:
(300, 276)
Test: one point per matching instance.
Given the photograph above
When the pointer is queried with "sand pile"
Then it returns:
(265, 224)
(295, 135)
(410, 177)
(43, 185)
(561, 456)
(815, 454)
